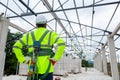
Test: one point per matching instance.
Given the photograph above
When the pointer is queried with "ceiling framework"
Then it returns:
(82, 7)
(77, 21)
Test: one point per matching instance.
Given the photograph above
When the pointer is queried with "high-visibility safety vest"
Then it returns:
(49, 40)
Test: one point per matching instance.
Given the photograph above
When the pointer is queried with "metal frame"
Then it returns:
(89, 6)
(70, 36)
(52, 11)
(55, 16)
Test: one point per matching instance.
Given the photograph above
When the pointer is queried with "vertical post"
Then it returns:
(94, 64)
(114, 67)
(97, 66)
(3, 37)
(95, 61)
(104, 60)
(99, 62)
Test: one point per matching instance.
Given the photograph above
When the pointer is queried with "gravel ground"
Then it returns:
(91, 74)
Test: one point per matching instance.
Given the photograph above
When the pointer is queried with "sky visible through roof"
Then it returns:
(86, 23)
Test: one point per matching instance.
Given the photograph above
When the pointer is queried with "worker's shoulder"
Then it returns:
(42, 30)
(54, 33)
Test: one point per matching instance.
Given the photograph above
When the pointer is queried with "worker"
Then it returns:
(48, 41)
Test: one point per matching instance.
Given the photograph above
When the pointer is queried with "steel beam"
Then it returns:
(28, 8)
(115, 30)
(113, 33)
(16, 14)
(89, 6)
(89, 26)
(46, 3)
(17, 27)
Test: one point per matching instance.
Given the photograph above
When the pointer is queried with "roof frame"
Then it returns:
(89, 6)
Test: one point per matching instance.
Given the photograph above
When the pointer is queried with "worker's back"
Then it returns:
(46, 43)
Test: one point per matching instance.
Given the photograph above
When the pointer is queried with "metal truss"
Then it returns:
(30, 12)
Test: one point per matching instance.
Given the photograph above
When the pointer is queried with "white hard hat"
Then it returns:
(40, 19)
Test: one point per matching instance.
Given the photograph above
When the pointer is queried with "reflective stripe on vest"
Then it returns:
(42, 45)
(16, 47)
(56, 39)
(22, 42)
(61, 44)
(49, 38)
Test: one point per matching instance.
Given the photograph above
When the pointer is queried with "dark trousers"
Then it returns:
(48, 77)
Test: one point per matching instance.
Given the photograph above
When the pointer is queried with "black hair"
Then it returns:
(41, 25)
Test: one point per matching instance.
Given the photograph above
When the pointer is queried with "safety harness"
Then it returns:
(38, 51)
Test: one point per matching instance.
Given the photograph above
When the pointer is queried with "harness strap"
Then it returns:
(42, 37)
(37, 44)
(42, 45)
(43, 52)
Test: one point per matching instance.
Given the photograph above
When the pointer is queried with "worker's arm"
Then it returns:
(17, 49)
(60, 46)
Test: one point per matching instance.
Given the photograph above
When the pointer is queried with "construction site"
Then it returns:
(90, 29)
